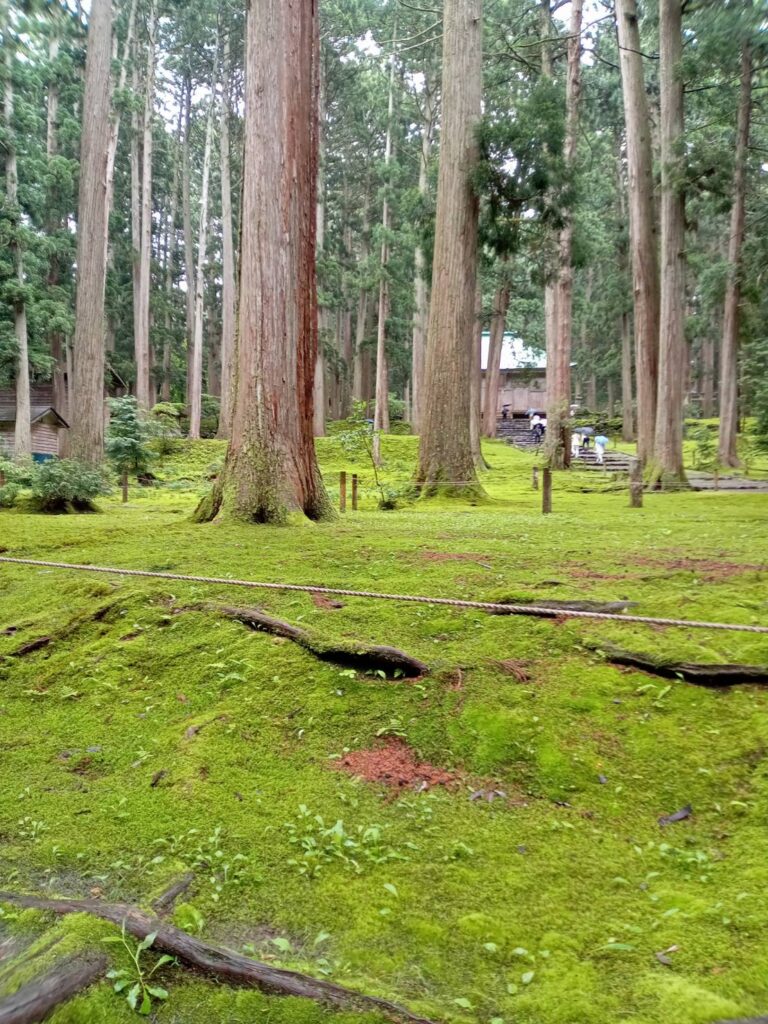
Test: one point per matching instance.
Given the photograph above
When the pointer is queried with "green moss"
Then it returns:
(236, 730)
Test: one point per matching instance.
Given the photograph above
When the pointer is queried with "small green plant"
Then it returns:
(319, 844)
(141, 992)
(357, 442)
(189, 919)
(207, 857)
(31, 829)
(127, 444)
(705, 449)
(65, 485)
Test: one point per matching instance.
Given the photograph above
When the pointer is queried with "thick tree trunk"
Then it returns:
(558, 439)
(228, 286)
(493, 370)
(592, 392)
(141, 328)
(381, 409)
(271, 470)
(88, 355)
(319, 388)
(114, 133)
(420, 287)
(642, 224)
(57, 341)
(610, 396)
(668, 447)
(189, 247)
(22, 441)
(476, 381)
(729, 346)
(446, 461)
(195, 385)
(627, 417)
(135, 208)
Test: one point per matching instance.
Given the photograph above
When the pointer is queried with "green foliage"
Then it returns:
(136, 980)
(705, 455)
(127, 443)
(65, 485)
(319, 844)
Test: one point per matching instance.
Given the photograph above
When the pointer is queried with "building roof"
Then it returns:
(515, 354)
(38, 413)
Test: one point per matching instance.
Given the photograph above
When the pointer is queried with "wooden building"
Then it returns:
(48, 426)
(523, 377)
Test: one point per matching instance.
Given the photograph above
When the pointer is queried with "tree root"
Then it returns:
(356, 655)
(36, 1000)
(217, 962)
(39, 643)
(165, 901)
(700, 675)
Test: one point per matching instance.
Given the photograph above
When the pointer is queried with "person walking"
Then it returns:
(601, 443)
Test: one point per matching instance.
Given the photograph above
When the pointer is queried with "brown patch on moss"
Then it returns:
(517, 669)
(393, 764)
(325, 603)
(710, 569)
(452, 556)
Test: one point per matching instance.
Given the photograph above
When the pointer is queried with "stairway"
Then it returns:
(516, 431)
(613, 462)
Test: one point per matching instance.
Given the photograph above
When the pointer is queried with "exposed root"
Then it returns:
(217, 962)
(165, 901)
(357, 655)
(700, 675)
(35, 1001)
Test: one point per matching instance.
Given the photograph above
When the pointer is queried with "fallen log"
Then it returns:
(700, 675)
(36, 1000)
(165, 901)
(216, 961)
(353, 654)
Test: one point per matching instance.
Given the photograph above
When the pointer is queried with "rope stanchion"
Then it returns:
(537, 611)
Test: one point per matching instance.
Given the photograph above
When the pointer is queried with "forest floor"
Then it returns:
(502, 857)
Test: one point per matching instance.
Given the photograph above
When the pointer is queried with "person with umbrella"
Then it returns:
(601, 443)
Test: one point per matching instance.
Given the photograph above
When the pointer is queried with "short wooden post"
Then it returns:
(535, 478)
(354, 492)
(546, 492)
(635, 484)
(342, 491)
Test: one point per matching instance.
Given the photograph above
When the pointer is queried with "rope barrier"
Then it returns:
(487, 606)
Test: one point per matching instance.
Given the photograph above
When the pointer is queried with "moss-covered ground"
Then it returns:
(148, 738)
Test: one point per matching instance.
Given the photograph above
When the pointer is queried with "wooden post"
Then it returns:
(124, 484)
(546, 493)
(535, 478)
(342, 491)
(635, 484)
(354, 492)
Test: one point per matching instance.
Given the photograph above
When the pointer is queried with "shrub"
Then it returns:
(14, 476)
(128, 439)
(64, 485)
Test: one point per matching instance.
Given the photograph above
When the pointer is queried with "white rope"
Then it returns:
(487, 606)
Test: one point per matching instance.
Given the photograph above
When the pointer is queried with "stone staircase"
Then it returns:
(516, 431)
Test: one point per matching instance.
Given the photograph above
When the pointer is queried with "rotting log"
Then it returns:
(215, 961)
(36, 1000)
(700, 675)
(357, 655)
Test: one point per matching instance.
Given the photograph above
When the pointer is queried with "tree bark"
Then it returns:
(195, 385)
(708, 376)
(381, 408)
(446, 461)
(114, 133)
(22, 441)
(627, 417)
(57, 341)
(135, 206)
(271, 470)
(420, 287)
(557, 442)
(493, 369)
(141, 328)
(189, 247)
(38, 998)
(170, 260)
(228, 285)
(729, 347)
(88, 354)
(642, 224)
(668, 446)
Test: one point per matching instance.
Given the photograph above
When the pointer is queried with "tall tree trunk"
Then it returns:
(57, 341)
(114, 133)
(381, 410)
(421, 291)
(668, 446)
(88, 355)
(550, 283)
(271, 470)
(558, 440)
(228, 287)
(358, 394)
(170, 259)
(195, 386)
(319, 387)
(141, 328)
(22, 441)
(708, 376)
(136, 207)
(729, 347)
(493, 369)
(642, 224)
(186, 211)
(627, 417)
(446, 460)
(610, 396)
(592, 392)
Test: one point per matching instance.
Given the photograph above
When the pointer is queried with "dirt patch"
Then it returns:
(326, 604)
(710, 569)
(517, 669)
(393, 764)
